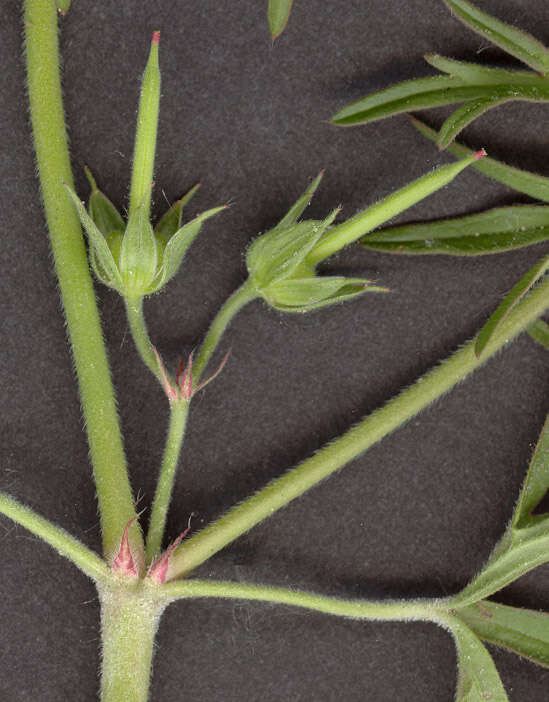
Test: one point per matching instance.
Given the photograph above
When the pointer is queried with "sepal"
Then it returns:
(277, 254)
(304, 294)
(104, 214)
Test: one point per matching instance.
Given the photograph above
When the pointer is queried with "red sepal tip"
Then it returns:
(159, 569)
(155, 37)
(124, 563)
(481, 153)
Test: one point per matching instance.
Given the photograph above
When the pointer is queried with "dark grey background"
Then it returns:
(419, 513)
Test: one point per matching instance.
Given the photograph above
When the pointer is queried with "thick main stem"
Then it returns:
(129, 621)
(241, 296)
(178, 420)
(90, 358)
(355, 441)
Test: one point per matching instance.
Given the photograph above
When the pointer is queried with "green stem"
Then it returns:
(390, 610)
(244, 294)
(358, 439)
(129, 621)
(136, 319)
(176, 432)
(65, 544)
(50, 139)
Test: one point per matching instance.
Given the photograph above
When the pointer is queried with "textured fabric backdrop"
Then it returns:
(420, 512)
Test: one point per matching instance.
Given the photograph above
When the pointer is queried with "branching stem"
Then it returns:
(358, 439)
(389, 610)
(65, 544)
(176, 432)
(138, 328)
(242, 295)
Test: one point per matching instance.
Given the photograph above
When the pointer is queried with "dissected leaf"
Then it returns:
(476, 74)
(478, 679)
(424, 93)
(539, 331)
(516, 554)
(523, 631)
(170, 221)
(531, 184)
(494, 231)
(278, 14)
(297, 209)
(512, 40)
(525, 543)
(536, 483)
(405, 97)
(466, 114)
(515, 295)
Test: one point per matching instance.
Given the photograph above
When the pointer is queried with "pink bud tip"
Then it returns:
(159, 569)
(124, 563)
(481, 153)
(156, 37)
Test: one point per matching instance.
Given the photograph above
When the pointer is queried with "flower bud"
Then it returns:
(279, 269)
(134, 259)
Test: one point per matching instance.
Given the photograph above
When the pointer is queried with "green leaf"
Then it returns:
(478, 679)
(278, 14)
(407, 96)
(279, 253)
(517, 553)
(177, 246)
(104, 214)
(525, 543)
(539, 331)
(531, 184)
(476, 74)
(514, 41)
(494, 231)
(170, 221)
(515, 295)
(536, 483)
(466, 114)
(522, 631)
(97, 242)
(349, 231)
(295, 212)
(138, 254)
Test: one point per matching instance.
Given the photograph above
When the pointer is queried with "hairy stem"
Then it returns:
(358, 439)
(129, 621)
(244, 294)
(50, 139)
(176, 432)
(138, 328)
(390, 610)
(65, 544)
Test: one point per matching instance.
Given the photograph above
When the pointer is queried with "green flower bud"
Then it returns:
(279, 268)
(134, 259)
